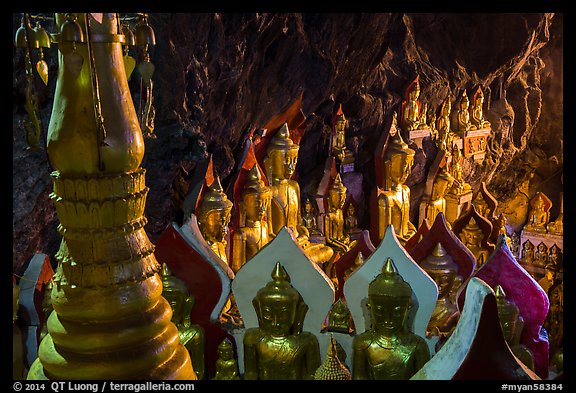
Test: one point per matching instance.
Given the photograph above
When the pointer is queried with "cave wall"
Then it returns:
(219, 75)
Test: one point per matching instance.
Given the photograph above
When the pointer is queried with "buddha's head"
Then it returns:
(442, 184)
(308, 207)
(441, 268)
(281, 155)
(174, 290)
(398, 160)
(511, 321)
(539, 203)
(480, 205)
(255, 195)
(472, 234)
(389, 300)
(213, 213)
(336, 194)
(225, 350)
(277, 304)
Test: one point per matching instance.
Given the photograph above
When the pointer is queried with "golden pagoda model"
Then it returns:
(110, 320)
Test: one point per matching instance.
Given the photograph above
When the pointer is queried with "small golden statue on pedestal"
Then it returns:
(339, 318)
(528, 252)
(309, 218)
(191, 336)
(388, 350)
(463, 123)
(252, 233)
(478, 119)
(338, 147)
(213, 214)
(280, 163)
(459, 186)
(278, 348)
(539, 214)
(226, 364)
(334, 231)
(512, 325)
(413, 118)
(444, 271)
(443, 128)
(541, 255)
(351, 221)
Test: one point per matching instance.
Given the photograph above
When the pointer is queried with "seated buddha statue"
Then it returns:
(515, 244)
(394, 200)
(213, 214)
(459, 185)
(174, 290)
(334, 231)
(541, 255)
(309, 218)
(443, 127)
(472, 236)
(512, 325)
(538, 216)
(437, 202)
(226, 364)
(463, 122)
(252, 233)
(280, 163)
(444, 271)
(339, 317)
(528, 252)
(339, 149)
(477, 111)
(412, 118)
(388, 350)
(278, 348)
(351, 220)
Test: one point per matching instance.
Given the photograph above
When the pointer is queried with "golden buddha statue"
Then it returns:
(463, 122)
(472, 236)
(339, 318)
(481, 206)
(512, 325)
(278, 348)
(388, 350)
(252, 233)
(444, 271)
(351, 220)
(280, 163)
(443, 127)
(538, 216)
(437, 202)
(192, 336)
(338, 147)
(333, 368)
(541, 255)
(226, 364)
(515, 244)
(477, 112)
(528, 252)
(334, 231)
(412, 118)
(309, 218)
(459, 185)
(394, 200)
(213, 214)
(555, 256)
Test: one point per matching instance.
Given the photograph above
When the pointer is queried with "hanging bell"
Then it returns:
(144, 33)
(71, 30)
(20, 39)
(128, 35)
(41, 36)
